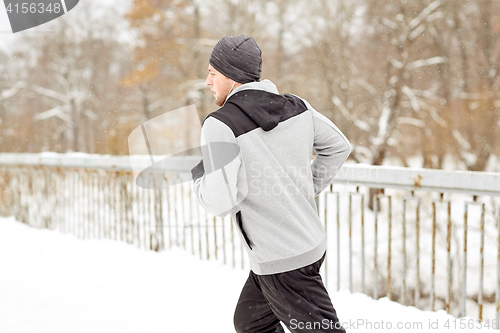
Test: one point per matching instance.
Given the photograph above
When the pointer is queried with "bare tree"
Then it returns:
(75, 75)
(477, 35)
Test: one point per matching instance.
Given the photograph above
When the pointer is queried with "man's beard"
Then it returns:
(219, 100)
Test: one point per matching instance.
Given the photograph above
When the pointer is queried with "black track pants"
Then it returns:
(297, 298)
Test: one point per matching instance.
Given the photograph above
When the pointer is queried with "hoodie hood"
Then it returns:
(260, 101)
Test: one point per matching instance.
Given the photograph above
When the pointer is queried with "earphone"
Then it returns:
(229, 93)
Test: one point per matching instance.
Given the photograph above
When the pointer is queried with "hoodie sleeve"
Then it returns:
(215, 177)
(332, 149)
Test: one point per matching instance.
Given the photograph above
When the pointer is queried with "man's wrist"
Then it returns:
(198, 171)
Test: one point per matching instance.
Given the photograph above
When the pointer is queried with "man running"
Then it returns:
(256, 166)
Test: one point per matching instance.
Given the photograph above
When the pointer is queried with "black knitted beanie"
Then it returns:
(238, 58)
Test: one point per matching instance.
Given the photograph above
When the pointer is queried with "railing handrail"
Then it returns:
(469, 182)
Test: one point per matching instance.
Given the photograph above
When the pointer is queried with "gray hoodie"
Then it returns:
(257, 167)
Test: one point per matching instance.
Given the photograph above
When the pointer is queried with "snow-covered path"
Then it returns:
(54, 282)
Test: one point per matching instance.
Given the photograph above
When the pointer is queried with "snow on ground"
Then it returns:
(54, 282)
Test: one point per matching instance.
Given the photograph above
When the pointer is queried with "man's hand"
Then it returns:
(198, 171)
